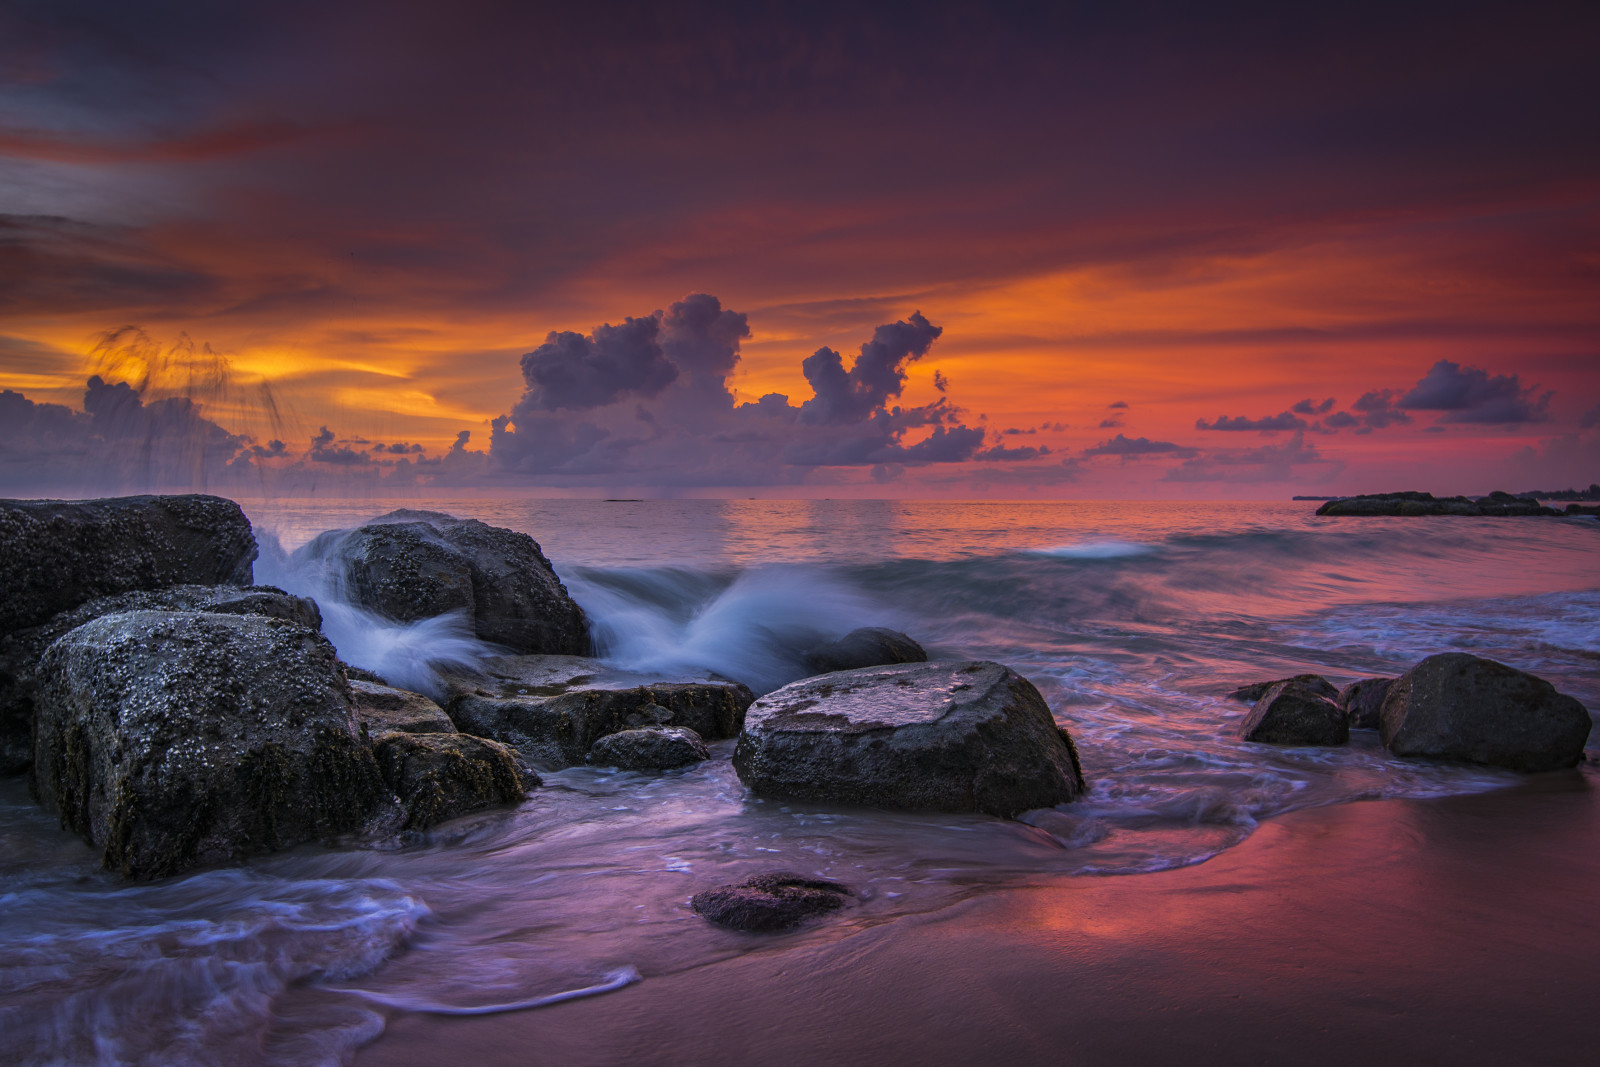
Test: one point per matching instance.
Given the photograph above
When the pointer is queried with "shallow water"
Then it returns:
(1133, 619)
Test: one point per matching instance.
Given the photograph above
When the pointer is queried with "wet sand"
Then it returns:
(1464, 930)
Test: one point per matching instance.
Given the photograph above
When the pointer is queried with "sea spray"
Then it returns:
(410, 655)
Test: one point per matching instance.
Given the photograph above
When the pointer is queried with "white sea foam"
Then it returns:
(1097, 550)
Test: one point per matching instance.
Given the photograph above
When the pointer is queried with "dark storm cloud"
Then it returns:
(1138, 447)
(1269, 424)
(1467, 394)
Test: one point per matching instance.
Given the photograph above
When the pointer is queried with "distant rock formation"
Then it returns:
(1409, 504)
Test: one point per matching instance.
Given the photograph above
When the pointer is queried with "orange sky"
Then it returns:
(1174, 237)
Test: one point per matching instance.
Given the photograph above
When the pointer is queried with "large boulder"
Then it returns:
(972, 736)
(870, 646)
(440, 776)
(413, 565)
(382, 709)
(56, 554)
(173, 739)
(769, 902)
(659, 748)
(20, 650)
(1315, 682)
(558, 728)
(1462, 707)
(1362, 702)
(1294, 713)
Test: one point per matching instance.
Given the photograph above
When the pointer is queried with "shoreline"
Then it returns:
(1456, 928)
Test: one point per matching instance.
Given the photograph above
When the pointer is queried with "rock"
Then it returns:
(1294, 713)
(1461, 707)
(174, 739)
(870, 646)
(656, 748)
(56, 554)
(21, 649)
(769, 902)
(559, 728)
(413, 565)
(1412, 504)
(1362, 701)
(924, 736)
(381, 709)
(1315, 682)
(444, 776)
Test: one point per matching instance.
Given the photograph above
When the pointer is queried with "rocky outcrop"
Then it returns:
(1461, 707)
(169, 740)
(769, 902)
(1294, 713)
(558, 728)
(972, 736)
(1496, 504)
(21, 649)
(1315, 682)
(413, 565)
(870, 646)
(440, 776)
(659, 748)
(380, 709)
(54, 554)
(1362, 702)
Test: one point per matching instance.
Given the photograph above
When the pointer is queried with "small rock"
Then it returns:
(1363, 700)
(381, 709)
(870, 646)
(1294, 713)
(769, 902)
(1315, 682)
(1462, 707)
(444, 776)
(656, 749)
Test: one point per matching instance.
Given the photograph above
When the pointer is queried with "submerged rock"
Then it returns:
(870, 646)
(56, 554)
(412, 565)
(971, 736)
(441, 776)
(559, 728)
(1294, 713)
(1315, 682)
(657, 748)
(769, 902)
(380, 709)
(1362, 702)
(21, 649)
(1462, 707)
(169, 740)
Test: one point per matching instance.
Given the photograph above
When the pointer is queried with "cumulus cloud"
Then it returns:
(1311, 407)
(666, 414)
(1266, 463)
(1470, 395)
(1002, 453)
(1378, 409)
(1590, 418)
(1126, 448)
(1270, 424)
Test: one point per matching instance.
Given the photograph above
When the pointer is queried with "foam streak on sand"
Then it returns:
(614, 981)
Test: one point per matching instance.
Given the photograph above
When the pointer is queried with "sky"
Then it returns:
(944, 251)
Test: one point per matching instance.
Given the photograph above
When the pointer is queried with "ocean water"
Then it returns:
(1134, 620)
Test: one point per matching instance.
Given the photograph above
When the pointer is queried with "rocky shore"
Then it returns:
(175, 716)
(1414, 504)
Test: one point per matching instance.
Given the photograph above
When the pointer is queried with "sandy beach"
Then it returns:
(1459, 930)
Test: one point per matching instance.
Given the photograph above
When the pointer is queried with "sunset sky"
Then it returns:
(1119, 250)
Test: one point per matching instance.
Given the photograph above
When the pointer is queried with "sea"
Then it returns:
(1134, 620)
